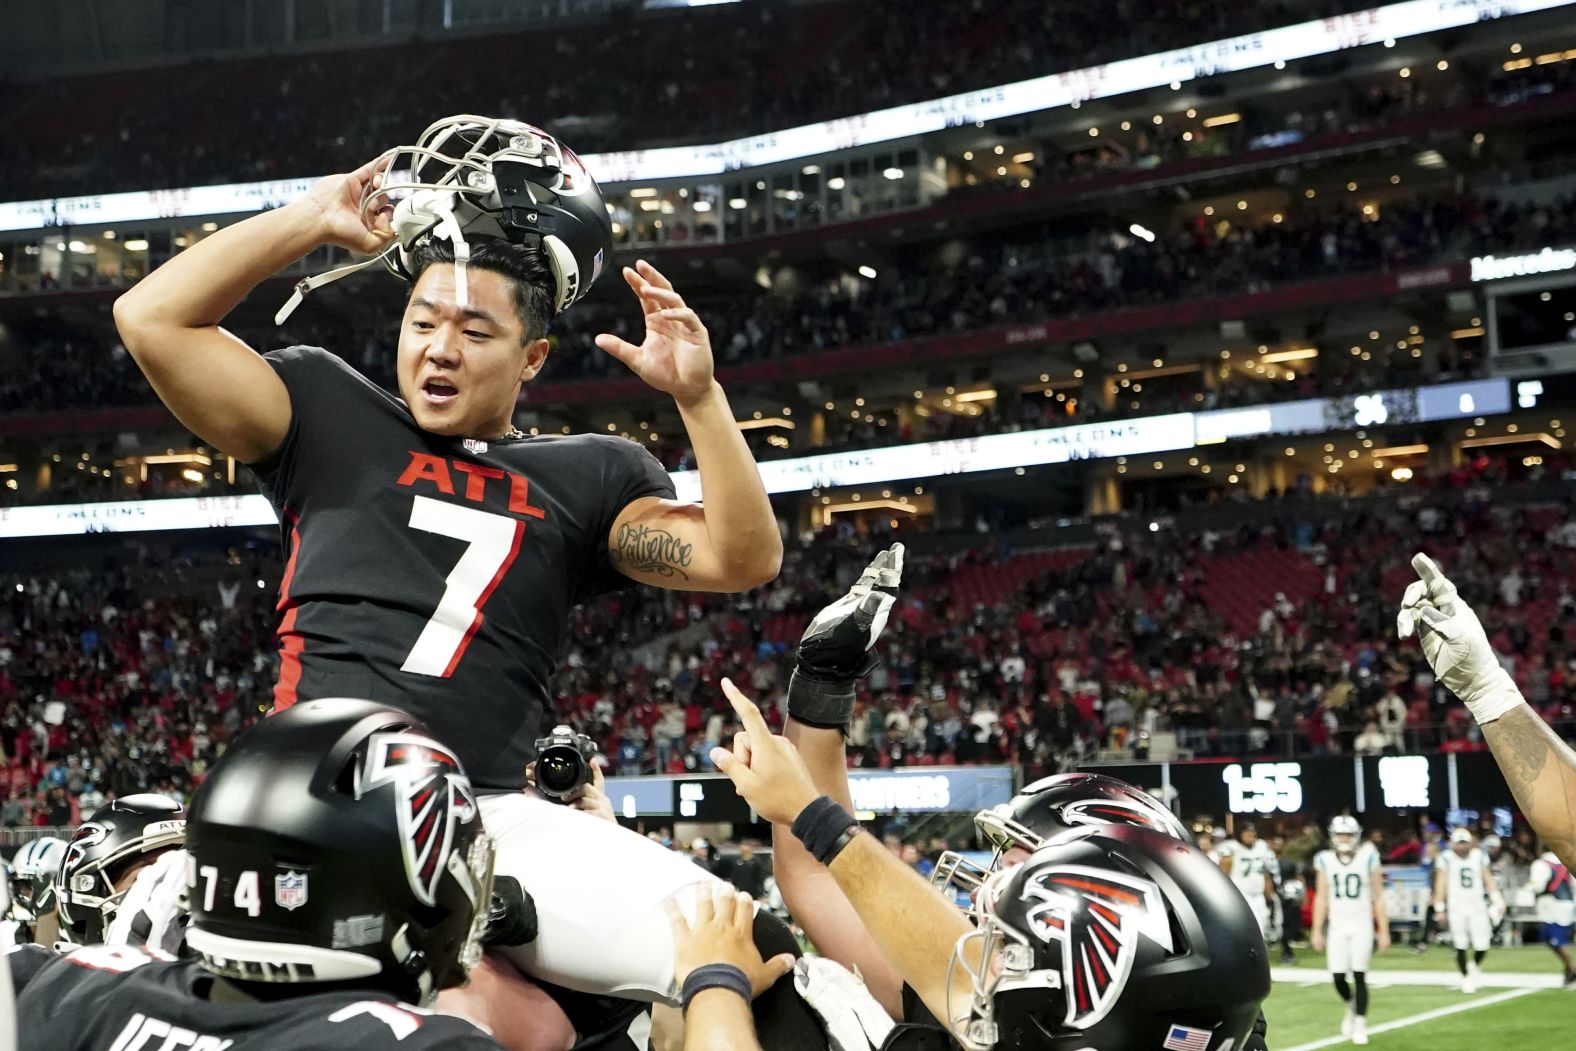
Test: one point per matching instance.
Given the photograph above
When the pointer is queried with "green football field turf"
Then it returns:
(1304, 1013)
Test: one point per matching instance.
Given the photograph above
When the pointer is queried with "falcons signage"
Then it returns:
(1096, 918)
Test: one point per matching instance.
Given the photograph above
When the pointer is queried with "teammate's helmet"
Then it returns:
(1049, 807)
(117, 836)
(33, 873)
(1113, 936)
(337, 841)
(1345, 833)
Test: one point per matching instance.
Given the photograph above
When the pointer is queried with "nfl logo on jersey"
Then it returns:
(475, 446)
(290, 890)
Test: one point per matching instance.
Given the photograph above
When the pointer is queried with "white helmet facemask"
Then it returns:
(476, 176)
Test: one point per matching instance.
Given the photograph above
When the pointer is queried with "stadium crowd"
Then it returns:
(130, 678)
(722, 75)
(995, 282)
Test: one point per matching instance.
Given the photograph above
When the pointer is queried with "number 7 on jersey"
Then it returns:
(494, 541)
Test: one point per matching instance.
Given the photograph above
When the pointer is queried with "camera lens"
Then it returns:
(557, 771)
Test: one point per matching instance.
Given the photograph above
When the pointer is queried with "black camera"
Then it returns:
(563, 762)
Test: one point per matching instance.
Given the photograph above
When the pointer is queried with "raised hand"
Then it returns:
(675, 357)
(1454, 642)
(766, 768)
(337, 200)
(839, 645)
(840, 641)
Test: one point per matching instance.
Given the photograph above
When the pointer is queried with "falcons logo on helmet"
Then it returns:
(1096, 917)
(433, 798)
(89, 835)
(1115, 812)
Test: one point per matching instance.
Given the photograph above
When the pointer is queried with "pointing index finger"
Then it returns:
(1426, 568)
(749, 715)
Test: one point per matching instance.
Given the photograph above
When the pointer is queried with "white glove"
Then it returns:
(153, 912)
(1496, 910)
(854, 1020)
(1455, 644)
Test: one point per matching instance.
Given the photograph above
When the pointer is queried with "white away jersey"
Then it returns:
(1464, 889)
(1351, 884)
(1249, 866)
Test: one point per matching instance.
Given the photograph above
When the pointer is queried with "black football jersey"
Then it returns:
(106, 999)
(436, 574)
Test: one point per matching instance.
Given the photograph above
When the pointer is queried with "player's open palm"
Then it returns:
(675, 356)
(337, 202)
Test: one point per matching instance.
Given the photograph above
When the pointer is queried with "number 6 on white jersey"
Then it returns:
(494, 542)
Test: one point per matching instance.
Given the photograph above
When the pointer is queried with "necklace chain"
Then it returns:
(514, 432)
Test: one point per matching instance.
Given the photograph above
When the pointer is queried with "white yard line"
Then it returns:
(1426, 1016)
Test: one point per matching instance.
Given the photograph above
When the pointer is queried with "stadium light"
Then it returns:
(868, 272)
(1138, 230)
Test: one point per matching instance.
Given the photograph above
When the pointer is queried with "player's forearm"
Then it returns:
(915, 927)
(740, 525)
(811, 892)
(825, 755)
(1541, 771)
(199, 286)
(719, 1020)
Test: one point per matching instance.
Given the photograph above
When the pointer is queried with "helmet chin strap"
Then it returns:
(423, 213)
(308, 284)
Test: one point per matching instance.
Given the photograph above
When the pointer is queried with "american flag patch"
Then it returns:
(1182, 1038)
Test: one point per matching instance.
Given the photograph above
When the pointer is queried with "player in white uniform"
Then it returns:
(1350, 896)
(1467, 896)
(1250, 862)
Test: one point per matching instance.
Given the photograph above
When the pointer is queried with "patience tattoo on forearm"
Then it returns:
(645, 550)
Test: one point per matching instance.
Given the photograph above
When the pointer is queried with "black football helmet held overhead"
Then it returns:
(1114, 936)
(338, 841)
(470, 177)
(1048, 808)
(104, 849)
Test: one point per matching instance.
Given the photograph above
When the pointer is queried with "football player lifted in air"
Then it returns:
(1350, 896)
(433, 550)
(1113, 933)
